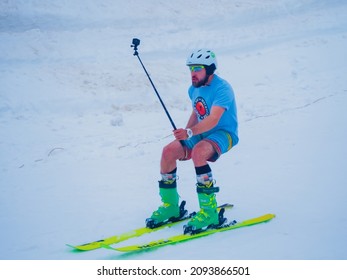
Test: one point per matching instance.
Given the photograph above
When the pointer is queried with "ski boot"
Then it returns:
(169, 211)
(208, 216)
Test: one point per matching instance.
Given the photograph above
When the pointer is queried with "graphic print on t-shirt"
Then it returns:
(201, 108)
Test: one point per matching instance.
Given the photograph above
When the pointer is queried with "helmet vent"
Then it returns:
(202, 57)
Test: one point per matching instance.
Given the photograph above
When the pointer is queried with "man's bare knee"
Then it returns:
(172, 151)
(201, 153)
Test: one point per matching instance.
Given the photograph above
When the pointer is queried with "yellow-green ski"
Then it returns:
(183, 237)
(131, 234)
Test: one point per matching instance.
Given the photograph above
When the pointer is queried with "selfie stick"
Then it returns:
(135, 44)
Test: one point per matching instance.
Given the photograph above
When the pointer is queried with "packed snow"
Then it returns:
(82, 129)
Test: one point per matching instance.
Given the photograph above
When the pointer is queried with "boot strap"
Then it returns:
(203, 189)
(164, 185)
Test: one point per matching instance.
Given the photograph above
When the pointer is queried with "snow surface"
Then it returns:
(82, 130)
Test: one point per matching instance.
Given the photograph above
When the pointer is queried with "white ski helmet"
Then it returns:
(202, 57)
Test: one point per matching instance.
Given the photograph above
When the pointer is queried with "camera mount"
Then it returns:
(135, 44)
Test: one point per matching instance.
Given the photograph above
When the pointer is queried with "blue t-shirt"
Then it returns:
(218, 93)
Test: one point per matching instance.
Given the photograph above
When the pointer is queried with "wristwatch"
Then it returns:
(189, 132)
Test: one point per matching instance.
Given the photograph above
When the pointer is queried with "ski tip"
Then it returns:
(270, 217)
(125, 249)
(76, 248)
(85, 247)
(70, 246)
(267, 217)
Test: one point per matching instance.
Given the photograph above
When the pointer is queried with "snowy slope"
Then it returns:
(82, 130)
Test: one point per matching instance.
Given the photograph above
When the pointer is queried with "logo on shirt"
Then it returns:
(201, 108)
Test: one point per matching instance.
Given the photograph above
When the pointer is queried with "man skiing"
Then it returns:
(212, 130)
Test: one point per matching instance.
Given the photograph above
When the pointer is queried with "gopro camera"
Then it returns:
(135, 43)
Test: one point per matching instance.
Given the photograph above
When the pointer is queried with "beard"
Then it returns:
(198, 83)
